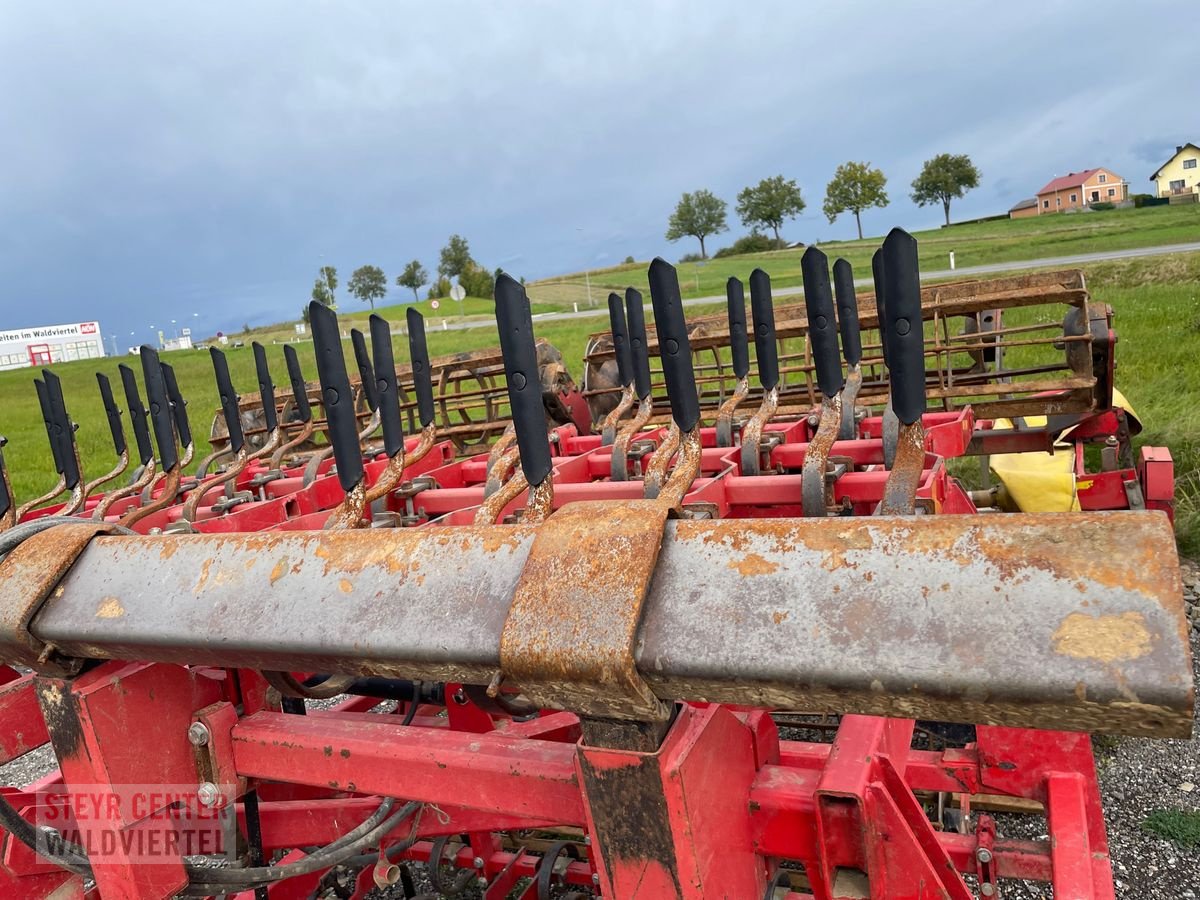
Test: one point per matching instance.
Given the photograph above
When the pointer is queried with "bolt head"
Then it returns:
(477, 862)
(198, 734)
(987, 890)
(208, 794)
(595, 878)
(984, 855)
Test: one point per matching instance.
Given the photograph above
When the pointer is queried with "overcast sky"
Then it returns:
(164, 159)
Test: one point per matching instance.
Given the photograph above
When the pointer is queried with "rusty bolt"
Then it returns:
(984, 855)
(208, 794)
(198, 734)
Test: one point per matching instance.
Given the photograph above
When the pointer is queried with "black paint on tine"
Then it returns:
(847, 309)
(229, 400)
(48, 419)
(763, 312)
(64, 429)
(385, 385)
(674, 348)
(137, 415)
(620, 339)
(178, 406)
(903, 325)
(266, 387)
(735, 296)
(635, 321)
(6, 500)
(336, 395)
(112, 412)
(362, 359)
(878, 277)
(161, 417)
(296, 378)
(822, 322)
(418, 353)
(515, 325)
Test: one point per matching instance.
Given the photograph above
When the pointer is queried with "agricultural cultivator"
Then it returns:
(738, 633)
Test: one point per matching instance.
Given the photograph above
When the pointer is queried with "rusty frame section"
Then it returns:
(965, 355)
(925, 605)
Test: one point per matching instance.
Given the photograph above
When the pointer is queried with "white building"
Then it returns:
(45, 344)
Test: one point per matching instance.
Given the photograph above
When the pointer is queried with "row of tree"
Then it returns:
(368, 283)
(855, 187)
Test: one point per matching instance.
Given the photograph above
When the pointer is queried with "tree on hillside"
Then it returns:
(413, 276)
(769, 202)
(944, 178)
(325, 285)
(455, 257)
(855, 187)
(368, 284)
(698, 215)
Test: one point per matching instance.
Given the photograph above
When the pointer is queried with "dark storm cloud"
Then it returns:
(166, 159)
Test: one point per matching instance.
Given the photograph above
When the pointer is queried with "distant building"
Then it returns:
(1179, 177)
(46, 344)
(1024, 209)
(1078, 189)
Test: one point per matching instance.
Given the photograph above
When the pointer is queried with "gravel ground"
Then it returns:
(1137, 777)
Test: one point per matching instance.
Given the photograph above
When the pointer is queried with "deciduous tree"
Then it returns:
(855, 187)
(769, 203)
(368, 284)
(413, 276)
(325, 285)
(698, 214)
(944, 178)
(455, 257)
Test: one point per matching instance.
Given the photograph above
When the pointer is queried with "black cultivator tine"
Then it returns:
(735, 297)
(178, 409)
(112, 412)
(266, 387)
(386, 388)
(64, 429)
(296, 379)
(675, 352)
(229, 400)
(639, 351)
(848, 325)
(620, 339)
(891, 425)
(161, 417)
(847, 309)
(137, 415)
(827, 361)
(762, 312)
(362, 357)
(905, 339)
(418, 353)
(336, 396)
(822, 323)
(6, 495)
(515, 325)
(624, 359)
(48, 420)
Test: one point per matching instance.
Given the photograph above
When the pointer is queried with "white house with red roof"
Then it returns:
(1078, 189)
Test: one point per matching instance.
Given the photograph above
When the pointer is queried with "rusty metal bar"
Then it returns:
(905, 616)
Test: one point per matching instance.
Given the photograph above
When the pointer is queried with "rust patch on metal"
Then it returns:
(346, 586)
(279, 570)
(569, 637)
(110, 608)
(633, 825)
(753, 564)
(1106, 639)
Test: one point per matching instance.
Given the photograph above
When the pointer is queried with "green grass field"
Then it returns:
(975, 244)
(1156, 300)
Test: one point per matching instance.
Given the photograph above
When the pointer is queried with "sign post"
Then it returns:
(457, 292)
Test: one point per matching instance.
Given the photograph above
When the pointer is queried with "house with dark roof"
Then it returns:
(1179, 177)
(1076, 190)
(1024, 209)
